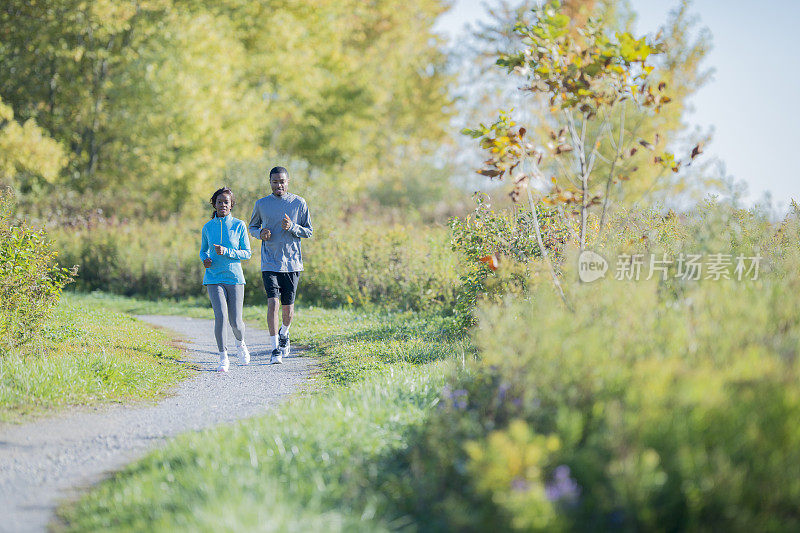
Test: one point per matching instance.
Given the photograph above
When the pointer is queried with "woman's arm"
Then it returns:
(255, 223)
(243, 252)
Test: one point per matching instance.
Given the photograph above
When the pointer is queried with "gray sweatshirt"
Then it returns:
(281, 252)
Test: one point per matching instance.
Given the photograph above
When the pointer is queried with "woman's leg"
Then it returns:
(217, 295)
(235, 297)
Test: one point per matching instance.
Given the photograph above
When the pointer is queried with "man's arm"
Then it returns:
(302, 228)
(255, 223)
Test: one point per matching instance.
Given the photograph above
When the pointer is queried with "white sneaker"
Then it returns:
(223, 362)
(276, 358)
(244, 354)
(284, 344)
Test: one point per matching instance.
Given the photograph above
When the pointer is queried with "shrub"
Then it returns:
(30, 279)
(134, 259)
(489, 238)
(652, 405)
(392, 266)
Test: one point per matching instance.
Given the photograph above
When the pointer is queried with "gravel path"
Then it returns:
(46, 461)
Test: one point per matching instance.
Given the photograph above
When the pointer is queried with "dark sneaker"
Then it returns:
(276, 358)
(283, 344)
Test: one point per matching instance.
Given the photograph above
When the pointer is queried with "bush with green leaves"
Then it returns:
(656, 405)
(392, 266)
(30, 279)
(496, 248)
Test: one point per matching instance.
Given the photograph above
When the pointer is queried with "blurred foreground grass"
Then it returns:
(317, 464)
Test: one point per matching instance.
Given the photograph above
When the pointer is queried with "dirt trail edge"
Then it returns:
(44, 462)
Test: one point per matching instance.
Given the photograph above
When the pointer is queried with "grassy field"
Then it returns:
(86, 355)
(320, 463)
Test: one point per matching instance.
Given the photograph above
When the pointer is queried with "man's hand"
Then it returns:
(265, 234)
(219, 249)
(207, 262)
(286, 223)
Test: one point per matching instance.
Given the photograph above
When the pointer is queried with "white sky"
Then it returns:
(751, 100)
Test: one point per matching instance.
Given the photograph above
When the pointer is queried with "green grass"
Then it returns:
(351, 342)
(86, 355)
(192, 307)
(315, 465)
(323, 462)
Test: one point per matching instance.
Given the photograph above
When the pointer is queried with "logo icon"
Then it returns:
(591, 266)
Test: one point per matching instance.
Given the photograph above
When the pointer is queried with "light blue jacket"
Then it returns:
(226, 268)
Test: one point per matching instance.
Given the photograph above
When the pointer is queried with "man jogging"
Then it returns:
(280, 220)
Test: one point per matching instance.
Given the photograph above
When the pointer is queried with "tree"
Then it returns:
(26, 151)
(351, 87)
(147, 99)
(679, 65)
(590, 79)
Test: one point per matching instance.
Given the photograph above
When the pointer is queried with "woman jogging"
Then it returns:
(223, 245)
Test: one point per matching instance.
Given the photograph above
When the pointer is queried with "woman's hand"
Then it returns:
(207, 262)
(220, 249)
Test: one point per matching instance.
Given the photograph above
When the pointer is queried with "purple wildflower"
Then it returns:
(460, 399)
(519, 484)
(562, 487)
(502, 390)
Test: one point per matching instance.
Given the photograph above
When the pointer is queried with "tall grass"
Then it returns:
(393, 266)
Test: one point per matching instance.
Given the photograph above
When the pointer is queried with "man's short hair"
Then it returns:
(279, 170)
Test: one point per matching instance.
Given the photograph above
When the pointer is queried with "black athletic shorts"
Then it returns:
(283, 284)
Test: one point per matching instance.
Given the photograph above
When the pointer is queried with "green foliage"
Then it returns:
(26, 150)
(30, 279)
(669, 404)
(498, 252)
(596, 127)
(590, 77)
(581, 68)
(653, 406)
(84, 354)
(129, 259)
(358, 263)
(393, 266)
(148, 98)
(155, 98)
(355, 344)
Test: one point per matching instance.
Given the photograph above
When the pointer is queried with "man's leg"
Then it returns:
(272, 323)
(273, 292)
(288, 286)
(272, 316)
(288, 314)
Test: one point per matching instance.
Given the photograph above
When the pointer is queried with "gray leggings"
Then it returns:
(227, 301)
